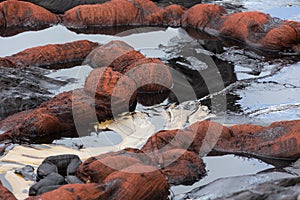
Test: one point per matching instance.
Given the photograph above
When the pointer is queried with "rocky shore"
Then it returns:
(121, 77)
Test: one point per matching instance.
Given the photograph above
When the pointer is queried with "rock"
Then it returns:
(17, 16)
(52, 56)
(150, 99)
(77, 191)
(64, 165)
(104, 82)
(112, 13)
(96, 169)
(181, 167)
(280, 140)
(186, 4)
(24, 89)
(138, 181)
(103, 56)
(69, 114)
(57, 6)
(150, 75)
(5, 193)
(51, 179)
(204, 16)
(27, 172)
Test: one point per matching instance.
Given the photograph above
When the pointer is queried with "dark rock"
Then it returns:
(24, 89)
(27, 172)
(50, 180)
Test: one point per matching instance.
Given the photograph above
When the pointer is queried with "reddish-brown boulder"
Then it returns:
(123, 61)
(150, 75)
(103, 56)
(138, 182)
(279, 140)
(16, 15)
(90, 191)
(204, 16)
(96, 169)
(52, 56)
(5, 194)
(112, 13)
(181, 167)
(104, 82)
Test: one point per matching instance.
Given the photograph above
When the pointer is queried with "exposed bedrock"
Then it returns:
(23, 89)
(19, 16)
(52, 56)
(279, 140)
(71, 114)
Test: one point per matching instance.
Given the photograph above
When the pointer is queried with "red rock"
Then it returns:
(199, 137)
(150, 99)
(123, 61)
(181, 167)
(19, 14)
(77, 191)
(138, 182)
(204, 16)
(70, 114)
(150, 75)
(279, 140)
(103, 82)
(112, 13)
(170, 16)
(96, 169)
(52, 56)
(5, 194)
(103, 56)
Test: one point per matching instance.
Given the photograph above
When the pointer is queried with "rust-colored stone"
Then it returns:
(96, 169)
(170, 16)
(150, 75)
(112, 13)
(279, 140)
(123, 61)
(77, 191)
(69, 114)
(182, 167)
(5, 194)
(103, 82)
(139, 182)
(103, 56)
(52, 56)
(204, 16)
(19, 14)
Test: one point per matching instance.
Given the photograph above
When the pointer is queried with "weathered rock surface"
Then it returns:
(279, 140)
(17, 16)
(52, 56)
(23, 89)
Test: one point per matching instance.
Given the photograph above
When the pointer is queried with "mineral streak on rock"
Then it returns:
(52, 56)
(16, 15)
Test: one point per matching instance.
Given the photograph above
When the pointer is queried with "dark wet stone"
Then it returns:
(23, 89)
(50, 180)
(45, 169)
(184, 3)
(27, 172)
(73, 180)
